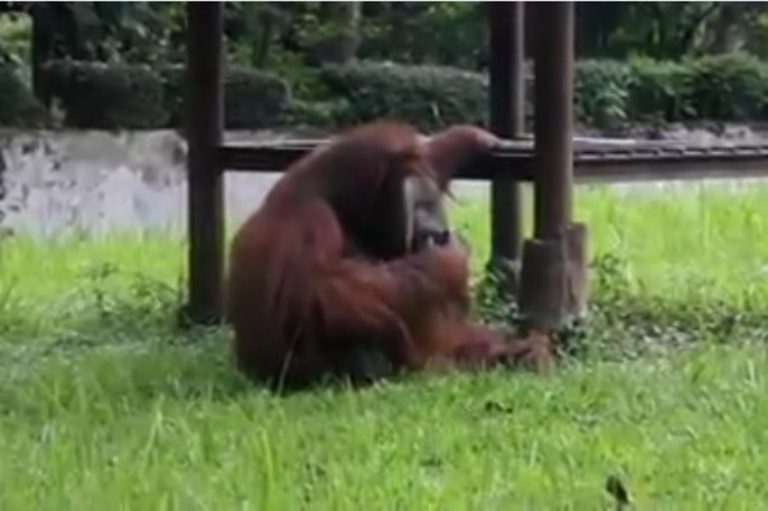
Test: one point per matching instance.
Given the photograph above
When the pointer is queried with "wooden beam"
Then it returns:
(670, 169)
(650, 162)
(204, 126)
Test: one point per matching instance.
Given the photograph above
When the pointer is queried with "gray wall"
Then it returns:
(91, 181)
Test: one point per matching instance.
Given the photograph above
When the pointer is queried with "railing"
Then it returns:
(594, 160)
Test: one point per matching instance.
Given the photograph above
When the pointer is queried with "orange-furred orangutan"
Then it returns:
(349, 268)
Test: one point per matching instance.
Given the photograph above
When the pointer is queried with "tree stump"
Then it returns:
(542, 284)
(554, 280)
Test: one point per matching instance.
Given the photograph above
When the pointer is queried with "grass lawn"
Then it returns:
(103, 405)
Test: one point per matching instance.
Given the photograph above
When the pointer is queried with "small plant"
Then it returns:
(143, 304)
(493, 300)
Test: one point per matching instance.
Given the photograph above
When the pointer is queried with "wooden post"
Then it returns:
(546, 298)
(204, 126)
(553, 124)
(507, 120)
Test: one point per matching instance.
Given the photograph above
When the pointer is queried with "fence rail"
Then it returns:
(594, 160)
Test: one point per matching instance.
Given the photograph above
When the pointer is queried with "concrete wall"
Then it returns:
(56, 182)
(93, 182)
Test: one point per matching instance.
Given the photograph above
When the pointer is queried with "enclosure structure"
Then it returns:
(551, 267)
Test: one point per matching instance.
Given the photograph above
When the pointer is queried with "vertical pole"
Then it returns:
(552, 280)
(204, 117)
(507, 120)
(553, 103)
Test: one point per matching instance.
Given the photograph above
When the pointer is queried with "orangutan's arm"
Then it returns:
(392, 297)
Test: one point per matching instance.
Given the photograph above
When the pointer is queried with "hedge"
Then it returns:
(253, 99)
(100, 96)
(608, 93)
(729, 87)
(18, 107)
(427, 96)
(659, 91)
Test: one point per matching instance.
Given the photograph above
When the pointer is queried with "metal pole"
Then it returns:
(205, 120)
(553, 125)
(507, 120)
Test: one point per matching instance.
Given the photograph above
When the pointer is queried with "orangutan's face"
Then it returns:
(426, 223)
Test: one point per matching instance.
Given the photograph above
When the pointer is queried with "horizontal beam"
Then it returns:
(593, 161)
(670, 170)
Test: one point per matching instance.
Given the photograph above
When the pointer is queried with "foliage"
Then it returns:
(608, 93)
(664, 30)
(659, 90)
(254, 99)
(18, 107)
(664, 78)
(323, 114)
(428, 96)
(265, 34)
(95, 95)
(443, 33)
(149, 99)
(731, 86)
(174, 92)
(601, 92)
(141, 32)
(15, 31)
(728, 87)
(253, 30)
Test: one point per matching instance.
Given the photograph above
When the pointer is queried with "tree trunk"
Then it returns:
(40, 48)
(342, 43)
(725, 33)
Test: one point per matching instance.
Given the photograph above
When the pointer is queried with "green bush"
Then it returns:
(100, 96)
(172, 79)
(18, 107)
(253, 99)
(601, 92)
(318, 114)
(660, 91)
(729, 87)
(427, 96)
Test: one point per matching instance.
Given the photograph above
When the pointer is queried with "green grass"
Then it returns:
(103, 405)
